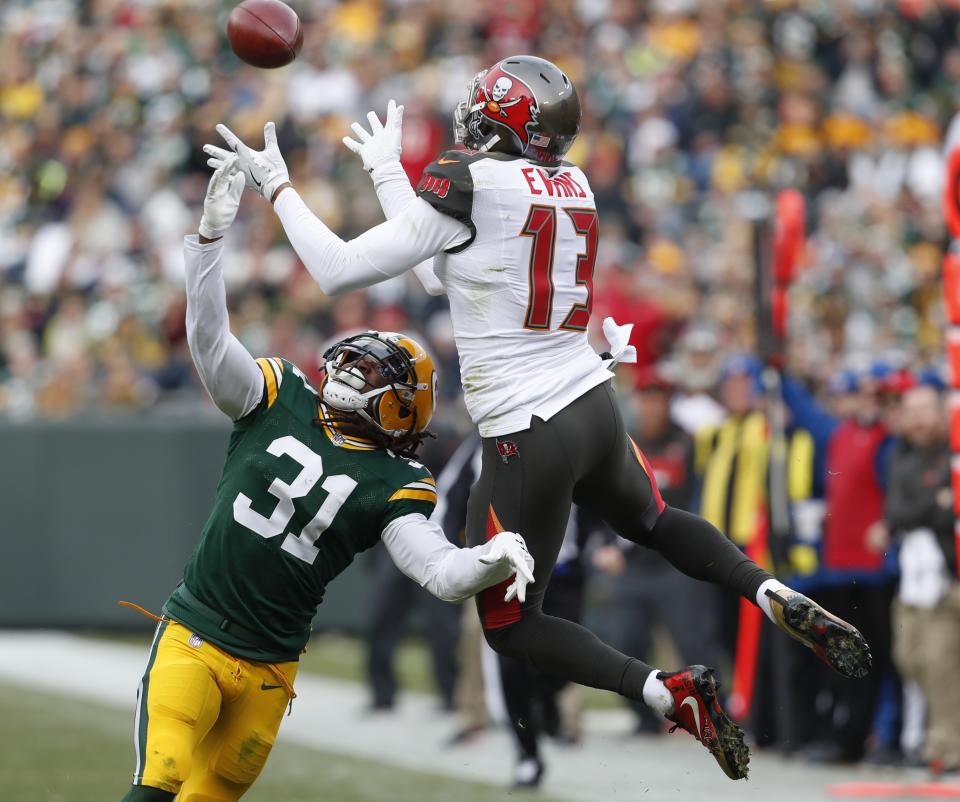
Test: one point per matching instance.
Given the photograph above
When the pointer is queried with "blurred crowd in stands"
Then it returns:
(104, 108)
(105, 105)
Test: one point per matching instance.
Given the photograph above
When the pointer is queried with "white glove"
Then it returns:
(222, 199)
(618, 337)
(264, 169)
(382, 143)
(508, 548)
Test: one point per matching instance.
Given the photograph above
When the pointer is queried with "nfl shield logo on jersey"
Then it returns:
(195, 641)
(507, 449)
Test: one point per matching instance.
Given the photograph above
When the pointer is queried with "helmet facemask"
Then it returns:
(469, 126)
(352, 388)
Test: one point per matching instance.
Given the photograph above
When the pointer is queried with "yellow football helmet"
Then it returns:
(387, 379)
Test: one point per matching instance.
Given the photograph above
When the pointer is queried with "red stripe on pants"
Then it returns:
(496, 612)
(648, 470)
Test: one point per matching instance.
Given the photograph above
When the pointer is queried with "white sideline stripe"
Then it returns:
(328, 715)
(138, 769)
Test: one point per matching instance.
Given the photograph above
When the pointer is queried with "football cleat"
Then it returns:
(696, 709)
(837, 643)
(528, 773)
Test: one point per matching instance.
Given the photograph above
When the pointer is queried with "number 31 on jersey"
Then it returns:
(338, 489)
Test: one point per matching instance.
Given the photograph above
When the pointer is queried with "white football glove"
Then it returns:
(222, 199)
(264, 169)
(382, 143)
(509, 549)
(618, 337)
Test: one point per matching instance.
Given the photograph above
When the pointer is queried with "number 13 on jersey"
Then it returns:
(541, 227)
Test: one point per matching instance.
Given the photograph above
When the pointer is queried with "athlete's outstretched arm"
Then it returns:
(394, 247)
(385, 251)
(227, 370)
(395, 194)
(420, 549)
(380, 149)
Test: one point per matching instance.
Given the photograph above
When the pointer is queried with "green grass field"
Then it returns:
(55, 749)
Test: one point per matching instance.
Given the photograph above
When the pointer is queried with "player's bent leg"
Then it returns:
(620, 487)
(525, 486)
(177, 703)
(233, 754)
(560, 648)
(699, 549)
(695, 547)
(622, 490)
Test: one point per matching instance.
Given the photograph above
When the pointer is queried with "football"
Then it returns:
(265, 33)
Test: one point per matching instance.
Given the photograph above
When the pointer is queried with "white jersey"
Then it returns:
(520, 287)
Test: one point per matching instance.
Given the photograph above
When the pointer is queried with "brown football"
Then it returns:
(265, 33)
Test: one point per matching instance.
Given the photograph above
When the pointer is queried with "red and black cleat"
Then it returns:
(837, 643)
(696, 709)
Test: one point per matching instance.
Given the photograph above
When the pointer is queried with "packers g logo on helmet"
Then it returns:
(403, 406)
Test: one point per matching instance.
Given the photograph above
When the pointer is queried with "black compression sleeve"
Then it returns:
(698, 549)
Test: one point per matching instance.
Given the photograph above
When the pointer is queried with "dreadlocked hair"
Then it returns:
(409, 444)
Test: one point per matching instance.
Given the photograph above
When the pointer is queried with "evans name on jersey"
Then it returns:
(520, 288)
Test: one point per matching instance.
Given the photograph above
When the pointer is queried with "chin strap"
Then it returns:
(489, 143)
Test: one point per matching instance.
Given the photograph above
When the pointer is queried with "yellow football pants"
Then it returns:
(206, 720)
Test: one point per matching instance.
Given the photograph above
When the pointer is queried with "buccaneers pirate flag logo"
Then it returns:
(507, 100)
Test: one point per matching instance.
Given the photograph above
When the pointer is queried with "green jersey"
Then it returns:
(296, 502)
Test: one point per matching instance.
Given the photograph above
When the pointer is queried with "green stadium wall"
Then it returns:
(94, 511)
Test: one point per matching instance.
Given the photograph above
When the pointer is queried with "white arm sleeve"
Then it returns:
(230, 374)
(385, 251)
(421, 550)
(395, 195)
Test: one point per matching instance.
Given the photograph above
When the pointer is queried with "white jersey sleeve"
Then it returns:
(228, 371)
(395, 195)
(520, 287)
(385, 251)
(419, 548)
